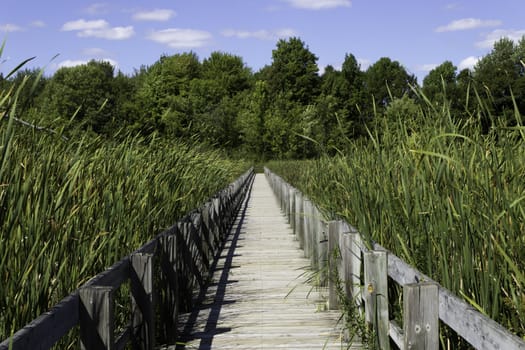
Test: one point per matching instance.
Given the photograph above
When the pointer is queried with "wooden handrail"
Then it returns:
(420, 326)
(185, 252)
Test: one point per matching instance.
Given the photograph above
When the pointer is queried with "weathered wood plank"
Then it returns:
(48, 328)
(420, 313)
(96, 318)
(143, 304)
(376, 295)
(478, 329)
(259, 296)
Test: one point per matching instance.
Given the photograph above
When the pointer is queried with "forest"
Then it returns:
(286, 110)
(94, 162)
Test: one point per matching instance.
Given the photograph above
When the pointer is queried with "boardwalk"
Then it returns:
(258, 298)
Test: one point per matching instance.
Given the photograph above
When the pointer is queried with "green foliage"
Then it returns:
(84, 93)
(387, 79)
(500, 77)
(69, 210)
(444, 197)
(294, 71)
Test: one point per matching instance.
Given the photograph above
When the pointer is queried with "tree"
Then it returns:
(440, 84)
(229, 71)
(501, 74)
(251, 121)
(387, 79)
(84, 92)
(163, 96)
(294, 71)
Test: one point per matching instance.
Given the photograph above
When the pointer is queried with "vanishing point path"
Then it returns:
(259, 296)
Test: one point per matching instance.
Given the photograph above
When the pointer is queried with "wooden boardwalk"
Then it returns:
(259, 297)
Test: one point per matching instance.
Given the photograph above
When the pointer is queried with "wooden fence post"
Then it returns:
(143, 318)
(169, 306)
(96, 318)
(291, 197)
(376, 296)
(334, 258)
(354, 267)
(299, 218)
(322, 252)
(421, 316)
(306, 228)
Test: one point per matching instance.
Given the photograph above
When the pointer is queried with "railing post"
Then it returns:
(334, 258)
(96, 318)
(307, 227)
(354, 267)
(322, 252)
(315, 238)
(143, 318)
(299, 218)
(421, 316)
(376, 296)
(291, 196)
(169, 307)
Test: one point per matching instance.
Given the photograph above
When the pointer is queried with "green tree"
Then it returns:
(163, 96)
(385, 80)
(84, 92)
(294, 71)
(251, 122)
(501, 74)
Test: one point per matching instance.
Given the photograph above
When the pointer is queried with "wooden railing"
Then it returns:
(163, 276)
(366, 273)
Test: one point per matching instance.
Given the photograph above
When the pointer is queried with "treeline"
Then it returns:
(285, 110)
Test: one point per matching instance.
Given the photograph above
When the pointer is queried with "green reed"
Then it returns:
(70, 209)
(439, 194)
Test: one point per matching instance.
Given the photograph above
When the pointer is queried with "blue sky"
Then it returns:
(419, 34)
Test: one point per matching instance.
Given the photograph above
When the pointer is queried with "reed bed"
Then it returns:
(70, 209)
(439, 194)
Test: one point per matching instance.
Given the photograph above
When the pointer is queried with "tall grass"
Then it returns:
(442, 196)
(69, 209)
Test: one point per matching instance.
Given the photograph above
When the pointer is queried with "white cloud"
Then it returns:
(38, 24)
(319, 4)
(492, 37)
(468, 23)
(114, 33)
(82, 24)
(74, 63)
(468, 63)
(71, 63)
(9, 27)
(97, 8)
(181, 38)
(159, 15)
(426, 67)
(98, 29)
(260, 34)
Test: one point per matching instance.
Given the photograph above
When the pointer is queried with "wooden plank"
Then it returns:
(376, 296)
(259, 296)
(113, 277)
(334, 258)
(396, 334)
(322, 252)
(355, 260)
(420, 316)
(48, 328)
(299, 217)
(96, 318)
(168, 300)
(479, 330)
(143, 304)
